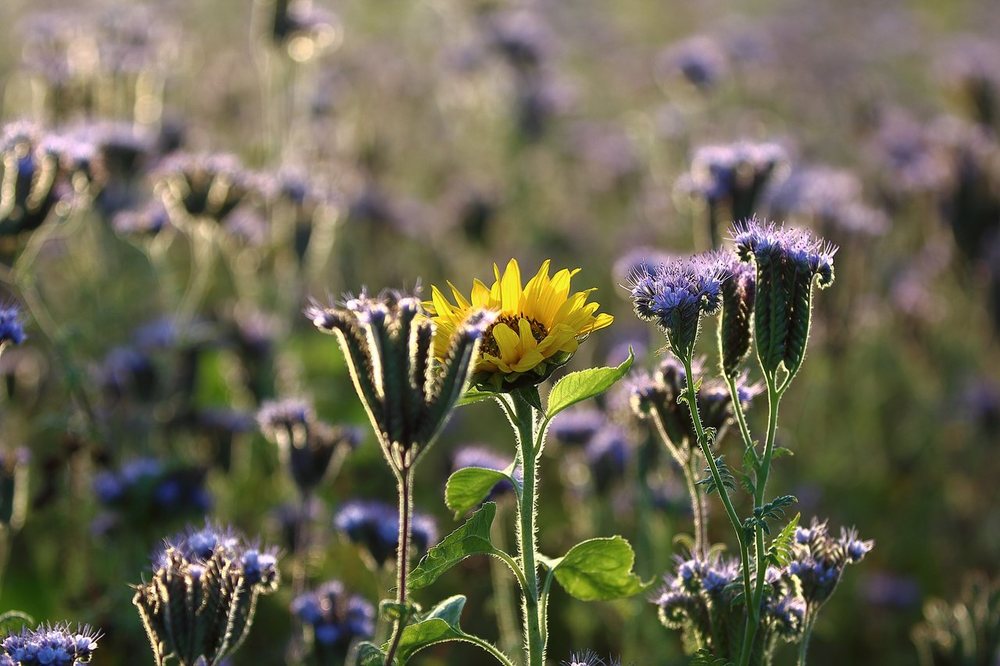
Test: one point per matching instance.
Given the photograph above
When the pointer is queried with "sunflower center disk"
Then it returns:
(489, 343)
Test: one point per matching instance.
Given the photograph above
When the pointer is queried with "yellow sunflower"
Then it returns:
(537, 329)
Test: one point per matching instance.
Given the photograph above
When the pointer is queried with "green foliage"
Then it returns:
(472, 538)
(579, 386)
(469, 486)
(599, 569)
(440, 624)
(725, 475)
(779, 553)
(773, 510)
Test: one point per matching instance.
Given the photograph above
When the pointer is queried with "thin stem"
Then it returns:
(764, 468)
(741, 419)
(402, 559)
(734, 519)
(806, 635)
(525, 423)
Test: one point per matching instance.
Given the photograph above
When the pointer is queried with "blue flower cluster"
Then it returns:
(55, 645)
(676, 294)
(374, 526)
(335, 617)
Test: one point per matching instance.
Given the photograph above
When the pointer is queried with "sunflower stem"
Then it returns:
(526, 424)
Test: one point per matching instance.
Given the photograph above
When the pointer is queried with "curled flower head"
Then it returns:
(589, 658)
(538, 326)
(373, 526)
(199, 604)
(50, 645)
(767, 243)
(818, 559)
(676, 295)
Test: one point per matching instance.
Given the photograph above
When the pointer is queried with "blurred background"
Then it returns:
(181, 176)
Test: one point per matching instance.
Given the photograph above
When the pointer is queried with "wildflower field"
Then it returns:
(514, 332)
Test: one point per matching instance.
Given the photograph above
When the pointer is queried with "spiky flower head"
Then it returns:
(199, 605)
(676, 294)
(50, 645)
(373, 526)
(307, 445)
(537, 329)
(589, 658)
(789, 262)
(407, 371)
(335, 619)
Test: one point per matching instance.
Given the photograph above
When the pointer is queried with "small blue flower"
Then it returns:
(374, 526)
(336, 617)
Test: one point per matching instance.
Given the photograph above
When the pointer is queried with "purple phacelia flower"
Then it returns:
(676, 295)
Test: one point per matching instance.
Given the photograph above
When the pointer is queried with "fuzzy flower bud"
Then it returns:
(200, 602)
(789, 262)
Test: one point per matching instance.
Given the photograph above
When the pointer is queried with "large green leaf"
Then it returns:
(469, 486)
(472, 538)
(599, 569)
(439, 625)
(579, 386)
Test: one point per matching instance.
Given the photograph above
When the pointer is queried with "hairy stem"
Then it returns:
(734, 519)
(526, 425)
(402, 558)
(763, 469)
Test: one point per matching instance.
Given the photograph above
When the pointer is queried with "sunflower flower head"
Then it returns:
(538, 325)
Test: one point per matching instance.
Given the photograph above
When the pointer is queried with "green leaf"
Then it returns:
(473, 396)
(579, 386)
(599, 569)
(368, 654)
(472, 538)
(439, 625)
(779, 553)
(780, 451)
(725, 475)
(530, 395)
(468, 487)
